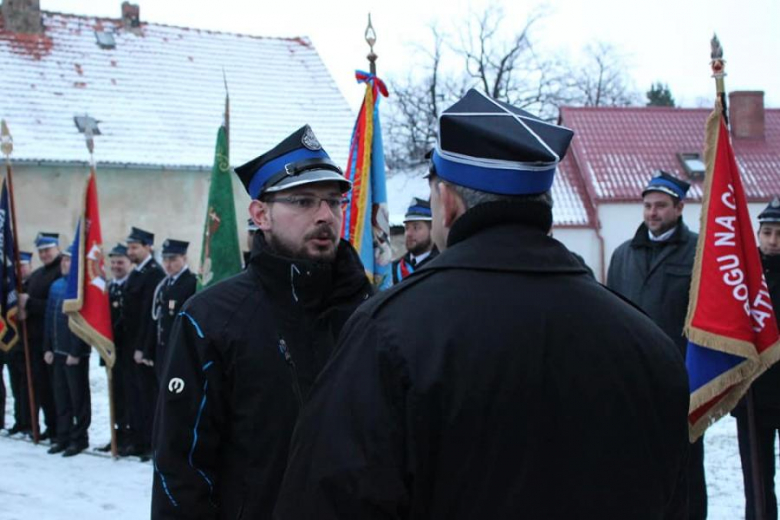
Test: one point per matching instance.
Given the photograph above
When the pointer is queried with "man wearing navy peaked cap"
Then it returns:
(244, 353)
(653, 270)
(420, 248)
(500, 380)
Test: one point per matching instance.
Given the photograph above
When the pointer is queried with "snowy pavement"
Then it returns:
(34, 484)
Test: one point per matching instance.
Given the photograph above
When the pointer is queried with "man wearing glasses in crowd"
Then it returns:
(244, 354)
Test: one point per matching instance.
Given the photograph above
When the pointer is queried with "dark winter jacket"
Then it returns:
(766, 389)
(140, 329)
(656, 276)
(38, 286)
(404, 266)
(499, 381)
(58, 337)
(242, 358)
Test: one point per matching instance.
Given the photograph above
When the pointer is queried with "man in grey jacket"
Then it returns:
(653, 270)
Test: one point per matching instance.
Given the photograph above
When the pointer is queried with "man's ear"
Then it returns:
(260, 212)
(451, 203)
(680, 207)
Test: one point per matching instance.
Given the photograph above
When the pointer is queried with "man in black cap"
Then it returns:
(141, 336)
(33, 305)
(500, 381)
(653, 270)
(765, 389)
(419, 244)
(176, 288)
(120, 272)
(244, 353)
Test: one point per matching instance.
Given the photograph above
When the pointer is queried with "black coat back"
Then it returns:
(38, 285)
(500, 381)
(140, 330)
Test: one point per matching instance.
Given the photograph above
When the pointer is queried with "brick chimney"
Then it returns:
(22, 16)
(746, 114)
(131, 15)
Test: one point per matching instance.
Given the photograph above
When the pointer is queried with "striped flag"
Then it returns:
(731, 328)
(86, 298)
(366, 223)
(9, 301)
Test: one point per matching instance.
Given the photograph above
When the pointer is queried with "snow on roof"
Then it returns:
(617, 149)
(159, 93)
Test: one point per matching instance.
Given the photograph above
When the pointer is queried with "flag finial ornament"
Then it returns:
(6, 141)
(371, 40)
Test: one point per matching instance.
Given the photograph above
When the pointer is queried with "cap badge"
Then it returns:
(310, 141)
(775, 203)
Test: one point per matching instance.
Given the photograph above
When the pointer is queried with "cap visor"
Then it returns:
(310, 177)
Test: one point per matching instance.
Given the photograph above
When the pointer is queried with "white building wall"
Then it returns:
(584, 242)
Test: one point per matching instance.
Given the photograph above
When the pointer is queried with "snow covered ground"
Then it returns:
(34, 484)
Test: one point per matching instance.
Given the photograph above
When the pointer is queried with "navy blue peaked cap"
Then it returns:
(666, 183)
(173, 247)
(771, 213)
(141, 236)
(494, 147)
(419, 209)
(25, 257)
(299, 159)
(118, 250)
(47, 240)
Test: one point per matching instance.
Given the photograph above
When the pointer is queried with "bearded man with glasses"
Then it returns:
(244, 353)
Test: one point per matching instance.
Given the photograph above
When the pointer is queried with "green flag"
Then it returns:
(221, 254)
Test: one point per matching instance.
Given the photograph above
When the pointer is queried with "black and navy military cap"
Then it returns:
(419, 209)
(494, 147)
(118, 250)
(173, 247)
(669, 184)
(47, 240)
(251, 226)
(140, 236)
(25, 257)
(298, 160)
(771, 213)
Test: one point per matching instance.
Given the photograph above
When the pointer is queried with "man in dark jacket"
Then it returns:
(500, 380)
(765, 389)
(33, 304)
(420, 248)
(17, 368)
(653, 270)
(244, 353)
(141, 336)
(69, 356)
(176, 288)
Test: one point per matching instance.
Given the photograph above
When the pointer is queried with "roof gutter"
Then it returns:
(120, 166)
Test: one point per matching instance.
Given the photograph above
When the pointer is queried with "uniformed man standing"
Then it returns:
(765, 389)
(141, 336)
(420, 248)
(500, 381)
(653, 270)
(33, 304)
(17, 369)
(120, 272)
(245, 352)
(171, 293)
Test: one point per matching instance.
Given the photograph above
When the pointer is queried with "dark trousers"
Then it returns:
(141, 399)
(44, 395)
(121, 420)
(71, 392)
(697, 485)
(17, 372)
(765, 437)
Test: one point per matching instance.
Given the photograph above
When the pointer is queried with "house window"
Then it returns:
(105, 39)
(693, 164)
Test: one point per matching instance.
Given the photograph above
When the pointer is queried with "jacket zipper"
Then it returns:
(293, 371)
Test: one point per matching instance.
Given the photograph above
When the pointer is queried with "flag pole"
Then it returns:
(718, 65)
(371, 40)
(88, 126)
(7, 148)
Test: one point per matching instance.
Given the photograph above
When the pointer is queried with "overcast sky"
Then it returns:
(664, 40)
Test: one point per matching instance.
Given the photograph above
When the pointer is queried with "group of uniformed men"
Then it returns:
(144, 299)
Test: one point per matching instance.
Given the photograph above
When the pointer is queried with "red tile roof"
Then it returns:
(615, 150)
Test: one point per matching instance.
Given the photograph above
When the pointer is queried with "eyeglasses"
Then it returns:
(308, 203)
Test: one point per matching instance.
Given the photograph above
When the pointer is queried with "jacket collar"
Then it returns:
(508, 237)
(310, 284)
(641, 238)
(771, 264)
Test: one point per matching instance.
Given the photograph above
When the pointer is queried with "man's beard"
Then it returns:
(281, 248)
(421, 247)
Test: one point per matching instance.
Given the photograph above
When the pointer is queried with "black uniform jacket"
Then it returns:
(38, 286)
(140, 329)
(766, 389)
(656, 276)
(404, 264)
(243, 356)
(116, 298)
(500, 381)
(168, 301)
